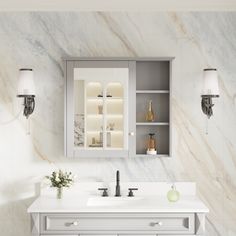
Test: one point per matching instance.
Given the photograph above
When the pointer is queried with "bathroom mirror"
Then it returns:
(100, 108)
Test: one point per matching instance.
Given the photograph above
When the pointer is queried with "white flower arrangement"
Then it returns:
(60, 179)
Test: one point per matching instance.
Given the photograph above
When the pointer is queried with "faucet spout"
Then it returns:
(117, 184)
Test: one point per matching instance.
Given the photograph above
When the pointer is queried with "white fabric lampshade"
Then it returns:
(210, 83)
(26, 82)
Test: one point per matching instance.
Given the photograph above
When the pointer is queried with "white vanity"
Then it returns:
(84, 212)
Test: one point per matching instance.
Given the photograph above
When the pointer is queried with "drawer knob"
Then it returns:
(160, 223)
(75, 223)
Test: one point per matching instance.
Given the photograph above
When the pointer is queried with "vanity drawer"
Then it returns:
(90, 223)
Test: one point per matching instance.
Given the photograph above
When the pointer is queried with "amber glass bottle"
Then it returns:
(150, 114)
(151, 142)
(151, 145)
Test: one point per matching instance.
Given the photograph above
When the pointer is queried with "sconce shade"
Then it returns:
(210, 83)
(26, 85)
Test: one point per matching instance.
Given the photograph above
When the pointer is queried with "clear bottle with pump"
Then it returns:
(173, 195)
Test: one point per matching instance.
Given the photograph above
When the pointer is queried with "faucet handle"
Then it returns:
(104, 193)
(131, 194)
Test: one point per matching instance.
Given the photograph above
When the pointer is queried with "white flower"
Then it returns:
(57, 179)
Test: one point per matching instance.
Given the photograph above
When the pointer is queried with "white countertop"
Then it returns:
(79, 204)
(150, 197)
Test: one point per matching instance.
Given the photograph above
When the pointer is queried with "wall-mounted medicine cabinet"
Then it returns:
(106, 102)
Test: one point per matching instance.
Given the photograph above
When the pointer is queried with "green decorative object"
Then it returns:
(173, 194)
(60, 180)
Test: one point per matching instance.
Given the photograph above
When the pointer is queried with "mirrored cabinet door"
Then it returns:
(97, 108)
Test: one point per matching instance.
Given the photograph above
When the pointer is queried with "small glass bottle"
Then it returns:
(173, 194)
(150, 113)
(151, 147)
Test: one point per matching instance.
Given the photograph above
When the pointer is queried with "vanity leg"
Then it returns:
(35, 223)
(200, 224)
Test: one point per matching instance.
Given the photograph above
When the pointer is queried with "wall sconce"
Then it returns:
(26, 89)
(210, 90)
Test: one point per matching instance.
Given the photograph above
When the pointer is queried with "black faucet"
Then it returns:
(117, 184)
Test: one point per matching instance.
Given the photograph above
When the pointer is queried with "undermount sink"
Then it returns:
(113, 201)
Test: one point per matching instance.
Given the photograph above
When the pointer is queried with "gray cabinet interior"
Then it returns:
(153, 79)
(160, 106)
(162, 137)
(152, 75)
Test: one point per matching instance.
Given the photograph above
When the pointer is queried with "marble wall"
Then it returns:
(40, 40)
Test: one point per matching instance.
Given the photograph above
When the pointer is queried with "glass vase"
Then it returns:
(59, 193)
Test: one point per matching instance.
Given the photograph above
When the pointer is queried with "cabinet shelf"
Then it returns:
(152, 123)
(94, 131)
(106, 98)
(113, 148)
(114, 98)
(91, 115)
(115, 115)
(99, 116)
(108, 131)
(156, 156)
(152, 91)
(114, 131)
(95, 98)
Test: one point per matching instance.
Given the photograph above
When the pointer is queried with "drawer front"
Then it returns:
(117, 223)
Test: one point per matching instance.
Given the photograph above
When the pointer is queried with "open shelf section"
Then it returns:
(153, 84)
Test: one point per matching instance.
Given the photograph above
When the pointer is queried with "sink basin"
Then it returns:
(113, 201)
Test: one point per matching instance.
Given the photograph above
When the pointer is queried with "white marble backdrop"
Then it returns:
(197, 40)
